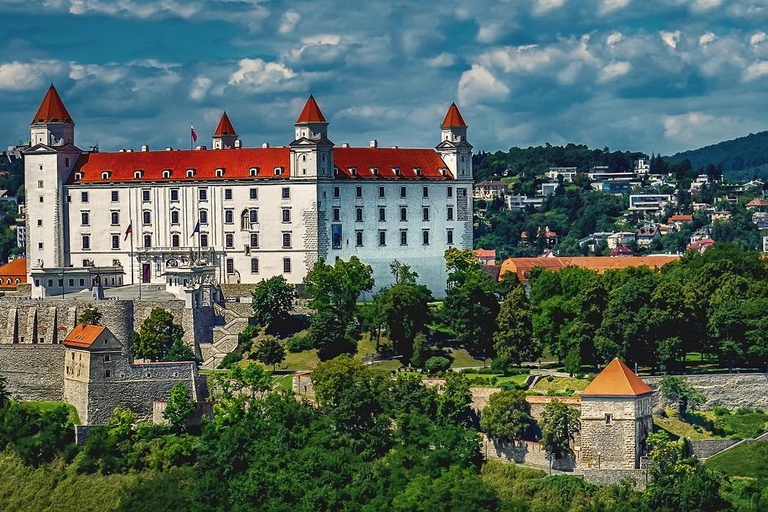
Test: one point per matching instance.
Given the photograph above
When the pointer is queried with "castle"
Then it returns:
(232, 214)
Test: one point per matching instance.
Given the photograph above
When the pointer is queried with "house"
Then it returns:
(490, 190)
(757, 203)
(701, 234)
(486, 256)
(622, 250)
(649, 203)
(13, 274)
(568, 173)
(721, 215)
(621, 238)
(647, 234)
(642, 166)
(615, 186)
(698, 183)
(700, 245)
(752, 184)
(523, 266)
(520, 202)
(548, 189)
(760, 219)
(679, 220)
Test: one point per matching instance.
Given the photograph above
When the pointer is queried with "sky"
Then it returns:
(646, 75)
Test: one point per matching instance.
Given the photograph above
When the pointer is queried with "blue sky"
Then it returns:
(647, 75)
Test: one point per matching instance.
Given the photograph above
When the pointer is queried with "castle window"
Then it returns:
(286, 215)
(253, 193)
(71, 282)
(396, 171)
(381, 191)
(229, 241)
(229, 217)
(86, 240)
(147, 240)
(336, 215)
(417, 171)
(230, 266)
(449, 236)
(228, 194)
(166, 173)
(425, 192)
(608, 418)
(403, 192)
(253, 171)
(83, 197)
(286, 193)
(353, 171)
(375, 171)
(425, 237)
(145, 196)
(174, 216)
(202, 194)
(278, 171)
(403, 214)
(137, 175)
(253, 216)
(174, 194)
(254, 265)
(114, 218)
(190, 173)
(114, 196)
(336, 192)
(203, 216)
(403, 237)
(382, 238)
(382, 215)
(287, 240)
(85, 218)
(107, 374)
(146, 217)
(286, 265)
(450, 191)
(78, 175)
(107, 357)
(450, 213)
(115, 242)
(40, 184)
(359, 238)
(175, 240)
(255, 240)
(219, 172)
(203, 239)
(358, 214)
(105, 175)
(425, 214)
(358, 191)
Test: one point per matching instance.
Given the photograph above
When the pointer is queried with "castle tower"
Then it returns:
(454, 149)
(616, 418)
(47, 165)
(225, 136)
(311, 151)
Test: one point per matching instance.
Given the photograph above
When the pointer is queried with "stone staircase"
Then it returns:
(225, 336)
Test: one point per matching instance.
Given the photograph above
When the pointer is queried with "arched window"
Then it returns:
(203, 216)
(137, 175)
(105, 175)
(254, 171)
(166, 173)
(190, 173)
(147, 240)
(303, 158)
(78, 176)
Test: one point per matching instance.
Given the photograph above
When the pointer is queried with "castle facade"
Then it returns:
(232, 214)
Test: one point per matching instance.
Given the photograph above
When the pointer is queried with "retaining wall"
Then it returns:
(731, 390)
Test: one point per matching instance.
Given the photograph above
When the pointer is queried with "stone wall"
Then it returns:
(705, 448)
(639, 477)
(525, 452)
(732, 390)
(33, 372)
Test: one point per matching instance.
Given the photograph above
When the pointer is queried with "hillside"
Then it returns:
(739, 159)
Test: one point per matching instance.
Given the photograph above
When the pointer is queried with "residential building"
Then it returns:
(621, 238)
(239, 214)
(647, 234)
(520, 202)
(548, 189)
(13, 274)
(486, 256)
(523, 266)
(490, 190)
(701, 245)
(568, 173)
(649, 203)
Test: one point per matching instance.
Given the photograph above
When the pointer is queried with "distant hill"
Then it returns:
(739, 159)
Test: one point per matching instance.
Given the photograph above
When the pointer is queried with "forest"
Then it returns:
(739, 159)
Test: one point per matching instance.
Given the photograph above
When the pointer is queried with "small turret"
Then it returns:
(225, 136)
(453, 148)
(52, 125)
(311, 151)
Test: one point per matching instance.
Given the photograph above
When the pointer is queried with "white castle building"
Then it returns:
(232, 214)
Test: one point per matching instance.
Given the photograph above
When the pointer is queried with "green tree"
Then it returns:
(507, 417)
(559, 426)
(179, 407)
(437, 364)
(471, 307)
(405, 309)
(331, 336)
(421, 351)
(513, 339)
(272, 302)
(337, 287)
(90, 316)
(269, 351)
(157, 335)
(679, 391)
(454, 402)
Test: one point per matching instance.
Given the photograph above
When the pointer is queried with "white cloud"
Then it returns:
(681, 126)
(671, 39)
(288, 22)
(609, 6)
(614, 70)
(705, 5)
(257, 75)
(706, 38)
(614, 38)
(757, 38)
(109, 74)
(541, 7)
(20, 76)
(478, 84)
(444, 60)
(490, 33)
(200, 87)
(136, 9)
(755, 70)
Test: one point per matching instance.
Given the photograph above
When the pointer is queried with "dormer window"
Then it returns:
(375, 171)
(190, 173)
(442, 171)
(353, 171)
(137, 175)
(105, 175)
(417, 171)
(396, 171)
(219, 172)
(78, 176)
(278, 171)
(254, 171)
(166, 173)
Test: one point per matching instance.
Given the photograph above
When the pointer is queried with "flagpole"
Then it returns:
(190, 135)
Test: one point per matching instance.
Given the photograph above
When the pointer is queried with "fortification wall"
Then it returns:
(732, 390)
(33, 372)
(525, 452)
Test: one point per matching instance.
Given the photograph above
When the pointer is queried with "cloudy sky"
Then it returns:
(647, 75)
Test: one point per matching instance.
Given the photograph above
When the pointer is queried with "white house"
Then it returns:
(244, 213)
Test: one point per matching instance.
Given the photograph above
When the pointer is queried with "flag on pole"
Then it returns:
(128, 231)
(196, 230)
(192, 133)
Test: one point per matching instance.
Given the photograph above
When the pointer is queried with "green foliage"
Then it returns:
(179, 407)
(404, 310)
(336, 287)
(513, 338)
(331, 335)
(269, 351)
(741, 158)
(90, 316)
(159, 338)
(746, 461)
(272, 302)
(437, 364)
(559, 426)
(420, 352)
(677, 389)
(299, 343)
(507, 417)
(454, 402)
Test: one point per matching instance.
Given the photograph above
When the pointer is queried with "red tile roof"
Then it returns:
(11, 271)
(757, 202)
(83, 336)
(453, 118)
(616, 379)
(311, 112)
(237, 164)
(485, 253)
(386, 160)
(52, 109)
(680, 218)
(698, 245)
(225, 127)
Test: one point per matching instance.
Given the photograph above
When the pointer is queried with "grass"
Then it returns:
(463, 359)
(695, 426)
(49, 406)
(560, 384)
(748, 460)
(744, 424)
(500, 379)
(741, 424)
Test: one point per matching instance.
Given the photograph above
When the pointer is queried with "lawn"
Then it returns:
(462, 359)
(560, 384)
(500, 379)
(746, 460)
(49, 406)
(696, 426)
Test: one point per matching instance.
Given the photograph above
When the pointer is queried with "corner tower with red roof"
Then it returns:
(52, 125)
(225, 136)
(616, 418)
(311, 151)
(453, 146)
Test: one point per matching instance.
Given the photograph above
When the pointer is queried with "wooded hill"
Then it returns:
(740, 159)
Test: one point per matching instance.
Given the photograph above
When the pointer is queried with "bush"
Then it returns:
(437, 364)
(299, 343)
(719, 410)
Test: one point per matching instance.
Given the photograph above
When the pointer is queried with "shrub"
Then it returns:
(299, 343)
(719, 410)
(437, 364)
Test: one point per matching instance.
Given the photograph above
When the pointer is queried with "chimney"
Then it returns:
(145, 148)
(394, 147)
(129, 151)
(345, 145)
(169, 148)
(265, 145)
(374, 143)
(238, 144)
(121, 150)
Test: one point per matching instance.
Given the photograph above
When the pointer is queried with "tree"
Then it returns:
(679, 391)
(453, 403)
(272, 302)
(437, 364)
(157, 334)
(507, 416)
(405, 309)
(331, 336)
(90, 316)
(269, 351)
(337, 287)
(513, 338)
(179, 407)
(420, 352)
(559, 426)
(402, 273)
